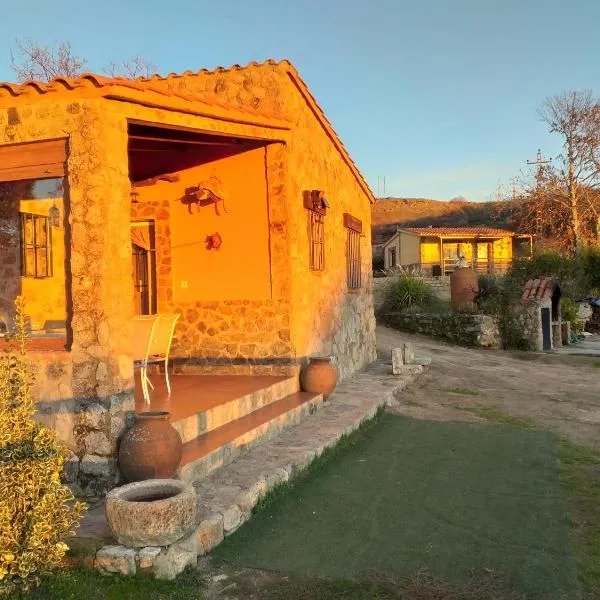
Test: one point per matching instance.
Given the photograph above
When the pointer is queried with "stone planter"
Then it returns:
(151, 449)
(157, 512)
(319, 377)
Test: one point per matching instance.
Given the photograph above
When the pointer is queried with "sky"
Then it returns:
(440, 97)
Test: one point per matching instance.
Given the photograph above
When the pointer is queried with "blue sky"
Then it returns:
(438, 96)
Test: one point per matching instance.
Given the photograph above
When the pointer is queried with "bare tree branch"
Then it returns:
(32, 61)
(133, 68)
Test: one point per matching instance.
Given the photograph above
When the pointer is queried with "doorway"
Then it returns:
(143, 254)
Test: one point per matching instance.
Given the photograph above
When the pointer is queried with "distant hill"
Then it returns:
(388, 213)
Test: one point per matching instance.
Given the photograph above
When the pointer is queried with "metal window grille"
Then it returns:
(36, 246)
(316, 238)
(353, 259)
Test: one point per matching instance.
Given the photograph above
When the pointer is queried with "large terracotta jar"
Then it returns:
(319, 376)
(151, 449)
(464, 287)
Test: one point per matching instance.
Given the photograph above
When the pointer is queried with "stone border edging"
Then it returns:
(226, 498)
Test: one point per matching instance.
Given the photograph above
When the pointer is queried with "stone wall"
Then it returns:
(460, 328)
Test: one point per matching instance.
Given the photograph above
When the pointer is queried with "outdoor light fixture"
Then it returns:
(315, 200)
(214, 241)
(134, 195)
(54, 216)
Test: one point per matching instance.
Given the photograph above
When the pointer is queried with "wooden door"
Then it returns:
(143, 267)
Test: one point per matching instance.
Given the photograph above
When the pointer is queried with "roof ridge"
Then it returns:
(217, 69)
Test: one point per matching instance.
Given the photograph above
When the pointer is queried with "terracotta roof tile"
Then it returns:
(541, 288)
(93, 81)
(143, 84)
(459, 231)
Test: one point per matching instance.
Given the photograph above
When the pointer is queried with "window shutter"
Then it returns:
(33, 160)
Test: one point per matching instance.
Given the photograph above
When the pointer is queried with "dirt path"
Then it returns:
(560, 392)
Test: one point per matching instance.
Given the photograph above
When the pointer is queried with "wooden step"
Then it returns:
(222, 445)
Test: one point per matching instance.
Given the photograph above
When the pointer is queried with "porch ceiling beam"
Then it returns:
(183, 141)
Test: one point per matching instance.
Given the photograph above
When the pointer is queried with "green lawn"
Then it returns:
(455, 500)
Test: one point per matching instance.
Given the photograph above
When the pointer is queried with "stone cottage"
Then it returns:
(225, 196)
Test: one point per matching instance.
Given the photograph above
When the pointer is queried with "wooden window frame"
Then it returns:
(353, 252)
(32, 244)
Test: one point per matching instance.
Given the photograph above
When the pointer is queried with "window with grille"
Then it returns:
(316, 240)
(354, 231)
(36, 246)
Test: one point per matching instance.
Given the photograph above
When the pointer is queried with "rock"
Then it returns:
(92, 416)
(408, 353)
(116, 559)
(98, 466)
(117, 427)
(210, 532)
(397, 361)
(160, 522)
(232, 519)
(147, 556)
(171, 563)
(97, 443)
(409, 370)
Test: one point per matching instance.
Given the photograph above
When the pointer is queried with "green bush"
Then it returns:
(37, 511)
(410, 292)
(569, 312)
(499, 298)
(590, 257)
(568, 270)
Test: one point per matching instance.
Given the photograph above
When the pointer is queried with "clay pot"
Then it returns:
(464, 286)
(151, 513)
(151, 449)
(319, 376)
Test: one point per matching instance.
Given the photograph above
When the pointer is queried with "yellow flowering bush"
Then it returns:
(37, 511)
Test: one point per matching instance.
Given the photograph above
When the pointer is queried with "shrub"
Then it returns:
(37, 511)
(590, 258)
(568, 270)
(490, 290)
(570, 313)
(499, 297)
(409, 292)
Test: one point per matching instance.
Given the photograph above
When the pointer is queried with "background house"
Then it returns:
(224, 196)
(436, 249)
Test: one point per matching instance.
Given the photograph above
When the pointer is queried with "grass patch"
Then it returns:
(579, 470)
(463, 391)
(384, 587)
(453, 499)
(501, 418)
(580, 477)
(84, 584)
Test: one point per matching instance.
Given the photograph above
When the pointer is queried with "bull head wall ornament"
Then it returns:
(207, 192)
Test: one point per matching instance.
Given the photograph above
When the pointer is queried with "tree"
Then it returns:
(31, 60)
(561, 203)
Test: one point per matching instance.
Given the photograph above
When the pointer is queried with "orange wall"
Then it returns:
(240, 269)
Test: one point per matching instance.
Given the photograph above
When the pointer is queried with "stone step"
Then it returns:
(215, 412)
(224, 444)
